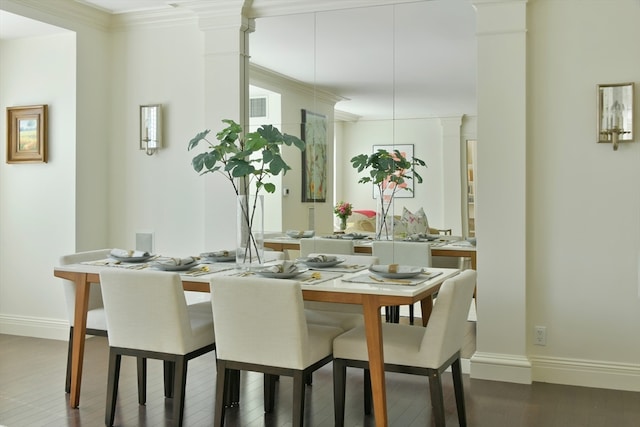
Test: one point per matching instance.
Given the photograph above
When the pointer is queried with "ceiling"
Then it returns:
(414, 59)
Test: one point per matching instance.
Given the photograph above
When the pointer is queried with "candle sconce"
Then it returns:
(615, 113)
(151, 128)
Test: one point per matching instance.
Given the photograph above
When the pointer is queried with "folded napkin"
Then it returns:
(321, 258)
(125, 253)
(176, 261)
(285, 267)
(392, 268)
(218, 254)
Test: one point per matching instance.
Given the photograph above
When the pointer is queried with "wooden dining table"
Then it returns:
(372, 297)
(446, 246)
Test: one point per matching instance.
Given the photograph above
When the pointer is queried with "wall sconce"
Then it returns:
(150, 128)
(615, 113)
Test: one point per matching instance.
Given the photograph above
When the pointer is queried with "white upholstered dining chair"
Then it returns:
(325, 246)
(96, 323)
(407, 253)
(414, 350)
(261, 327)
(344, 316)
(148, 317)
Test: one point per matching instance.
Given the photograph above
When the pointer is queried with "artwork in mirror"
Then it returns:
(615, 113)
(27, 134)
(314, 157)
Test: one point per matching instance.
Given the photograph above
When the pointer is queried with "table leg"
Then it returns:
(373, 327)
(79, 332)
(426, 305)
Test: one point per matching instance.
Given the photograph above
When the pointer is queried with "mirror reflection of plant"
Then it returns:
(387, 170)
(253, 159)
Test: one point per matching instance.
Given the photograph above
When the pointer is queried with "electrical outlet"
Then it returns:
(540, 335)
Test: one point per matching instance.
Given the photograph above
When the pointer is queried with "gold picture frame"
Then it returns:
(615, 113)
(27, 134)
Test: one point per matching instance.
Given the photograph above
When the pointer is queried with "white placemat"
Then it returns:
(374, 279)
(342, 268)
(307, 278)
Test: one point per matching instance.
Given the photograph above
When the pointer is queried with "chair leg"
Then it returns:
(368, 395)
(67, 384)
(180, 387)
(169, 369)
(142, 380)
(411, 316)
(437, 400)
(221, 392)
(458, 387)
(233, 388)
(339, 383)
(269, 392)
(297, 419)
(112, 387)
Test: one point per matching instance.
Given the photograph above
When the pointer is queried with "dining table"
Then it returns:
(335, 288)
(446, 246)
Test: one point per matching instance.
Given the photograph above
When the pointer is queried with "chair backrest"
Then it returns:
(406, 253)
(445, 331)
(69, 287)
(325, 246)
(353, 259)
(146, 310)
(260, 321)
(273, 256)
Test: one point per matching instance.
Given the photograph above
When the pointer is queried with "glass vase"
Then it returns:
(250, 231)
(384, 218)
(343, 224)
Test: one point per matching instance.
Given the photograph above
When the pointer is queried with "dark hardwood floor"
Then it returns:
(32, 395)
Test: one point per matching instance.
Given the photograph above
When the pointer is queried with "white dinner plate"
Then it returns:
(353, 236)
(181, 267)
(301, 234)
(131, 258)
(404, 271)
(274, 275)
(322, 264)
(212, 257)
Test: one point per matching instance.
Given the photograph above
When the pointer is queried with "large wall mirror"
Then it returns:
(372, 65)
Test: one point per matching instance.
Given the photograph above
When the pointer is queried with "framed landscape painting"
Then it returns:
(27, 134)
(314, 157)
(407, 151)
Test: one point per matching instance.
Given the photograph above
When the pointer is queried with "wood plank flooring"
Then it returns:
(32, 395)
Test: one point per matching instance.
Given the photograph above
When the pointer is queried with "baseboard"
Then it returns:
(501, 367)
(37, 327)
(586, 373)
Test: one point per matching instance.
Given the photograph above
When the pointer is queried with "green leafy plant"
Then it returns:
(390, 173)
(245, 162)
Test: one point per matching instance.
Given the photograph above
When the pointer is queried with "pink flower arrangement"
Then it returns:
(343, 210)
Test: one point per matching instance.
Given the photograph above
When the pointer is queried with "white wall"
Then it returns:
(162, 193)
(583, 197)
(37, 201)
(558, 220)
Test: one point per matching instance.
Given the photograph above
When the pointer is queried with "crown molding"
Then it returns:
(66, 11)
(266, 8)
(276, 81)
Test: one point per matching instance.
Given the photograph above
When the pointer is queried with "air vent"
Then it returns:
(258, 107)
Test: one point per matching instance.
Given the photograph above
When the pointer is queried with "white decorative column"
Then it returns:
(453, 192)
(500, 211)
(226, 96)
